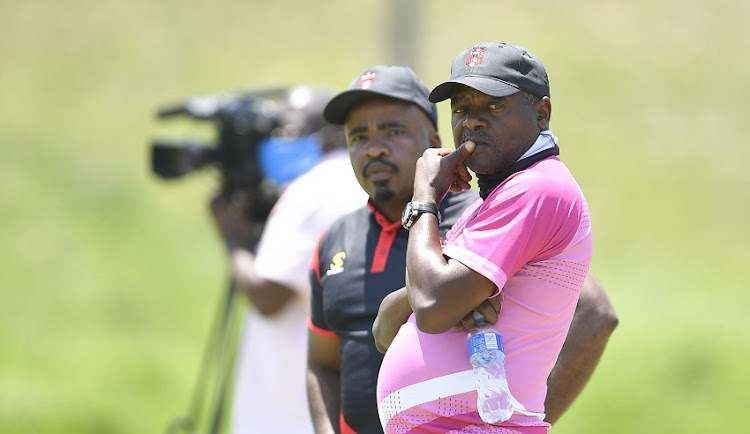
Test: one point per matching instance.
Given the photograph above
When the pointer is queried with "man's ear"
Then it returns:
(435, 140)
(543, 113)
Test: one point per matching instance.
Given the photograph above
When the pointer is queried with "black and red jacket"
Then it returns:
(358, 261)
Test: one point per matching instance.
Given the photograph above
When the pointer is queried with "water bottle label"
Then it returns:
(484, 341)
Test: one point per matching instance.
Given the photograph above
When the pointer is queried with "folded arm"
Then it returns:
(395, 310)
(442, 291)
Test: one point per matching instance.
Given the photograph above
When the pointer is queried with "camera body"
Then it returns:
(242, 121)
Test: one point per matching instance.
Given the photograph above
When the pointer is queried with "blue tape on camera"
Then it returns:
(282, 160)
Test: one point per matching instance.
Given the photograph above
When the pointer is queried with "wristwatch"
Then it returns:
(413, 210)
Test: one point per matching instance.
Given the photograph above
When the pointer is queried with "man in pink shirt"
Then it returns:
(527, 240)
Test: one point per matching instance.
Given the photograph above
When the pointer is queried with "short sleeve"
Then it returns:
(317, 322)
(527, 220)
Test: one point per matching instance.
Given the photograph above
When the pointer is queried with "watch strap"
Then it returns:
(423, 207)
(415, 209)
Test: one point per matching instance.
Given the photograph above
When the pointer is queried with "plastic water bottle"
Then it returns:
(494, 401)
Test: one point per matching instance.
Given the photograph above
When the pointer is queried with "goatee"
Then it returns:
(383, 194)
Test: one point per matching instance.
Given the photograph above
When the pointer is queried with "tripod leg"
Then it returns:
(217, 335)
(225, 367)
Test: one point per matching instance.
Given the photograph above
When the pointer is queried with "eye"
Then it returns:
(458, 110)
(355, 140)
(393, 133)
(496, 105)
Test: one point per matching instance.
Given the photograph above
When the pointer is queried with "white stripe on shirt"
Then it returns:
(434, 389)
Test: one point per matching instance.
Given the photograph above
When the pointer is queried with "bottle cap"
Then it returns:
(478, 318)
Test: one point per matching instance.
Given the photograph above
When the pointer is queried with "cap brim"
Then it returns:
(489, 86)
(336, 110)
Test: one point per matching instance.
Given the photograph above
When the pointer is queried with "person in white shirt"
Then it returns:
(269, 390)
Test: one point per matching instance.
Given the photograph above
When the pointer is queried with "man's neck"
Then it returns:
(391, 211)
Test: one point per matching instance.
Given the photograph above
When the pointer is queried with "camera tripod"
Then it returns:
(206, 412)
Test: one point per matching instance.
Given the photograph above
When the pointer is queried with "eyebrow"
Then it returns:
(390, 124)
(384, 125)
(457, 98)
(460, 98)
(357, 130)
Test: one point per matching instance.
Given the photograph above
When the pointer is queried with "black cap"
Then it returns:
(398, 82)
(496, 69)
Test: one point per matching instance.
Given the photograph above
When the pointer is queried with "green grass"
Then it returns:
(109, 276)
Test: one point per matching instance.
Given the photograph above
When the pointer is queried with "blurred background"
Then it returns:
(109, 275)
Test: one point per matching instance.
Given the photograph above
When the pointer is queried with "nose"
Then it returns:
(474, 120)
(377, 148)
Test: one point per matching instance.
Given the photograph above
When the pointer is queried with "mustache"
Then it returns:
(378, 162)
(474, 136)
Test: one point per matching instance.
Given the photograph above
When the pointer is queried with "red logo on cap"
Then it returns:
(366, 79)
(475, 57)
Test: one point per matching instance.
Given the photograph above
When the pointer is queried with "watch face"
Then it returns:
(406, 217)
(413, 210)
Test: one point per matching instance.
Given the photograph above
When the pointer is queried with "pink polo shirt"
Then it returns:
(532, 238)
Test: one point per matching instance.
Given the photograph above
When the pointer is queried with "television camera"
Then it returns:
(242, 121)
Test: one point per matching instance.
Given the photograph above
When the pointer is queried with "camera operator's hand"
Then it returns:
(241, 237)
(230, 213)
